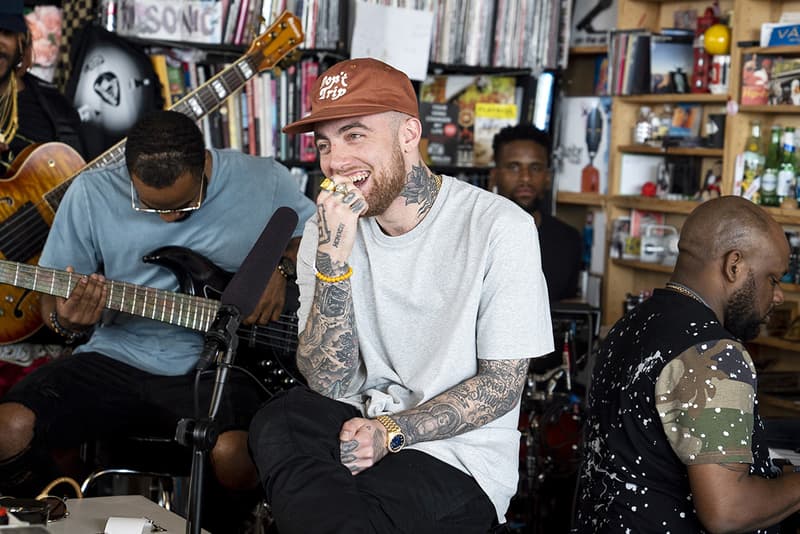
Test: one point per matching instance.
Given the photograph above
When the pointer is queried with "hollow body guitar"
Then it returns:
(35, 183)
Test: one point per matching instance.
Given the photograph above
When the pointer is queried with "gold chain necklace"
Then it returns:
(9, 119)
(437, 180)
(685, 291)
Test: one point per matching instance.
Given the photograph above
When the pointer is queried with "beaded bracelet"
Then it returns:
(334, 279)
(69, 335)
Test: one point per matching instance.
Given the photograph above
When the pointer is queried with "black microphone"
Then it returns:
(241, 295)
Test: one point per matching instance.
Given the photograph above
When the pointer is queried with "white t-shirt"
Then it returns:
(465, 284)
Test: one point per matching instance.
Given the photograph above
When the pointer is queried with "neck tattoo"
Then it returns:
(685, 291)
(437, 181)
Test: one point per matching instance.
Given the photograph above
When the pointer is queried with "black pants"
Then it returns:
(294, 440)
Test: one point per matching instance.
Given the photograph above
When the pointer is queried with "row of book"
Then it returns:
(532, 34)
(642, 62)
(525, 34)
(460, 113)
(250, 117)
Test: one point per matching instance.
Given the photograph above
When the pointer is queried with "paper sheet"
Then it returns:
(398, 36)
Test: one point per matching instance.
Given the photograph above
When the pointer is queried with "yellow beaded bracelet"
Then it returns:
(334, 279)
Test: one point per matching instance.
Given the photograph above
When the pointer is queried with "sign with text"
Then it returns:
(197, 21)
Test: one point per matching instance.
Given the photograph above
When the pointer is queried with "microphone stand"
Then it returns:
(202, 434)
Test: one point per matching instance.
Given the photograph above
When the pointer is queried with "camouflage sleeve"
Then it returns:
(705, 399)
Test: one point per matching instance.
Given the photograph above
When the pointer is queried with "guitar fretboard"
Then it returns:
(196, 313)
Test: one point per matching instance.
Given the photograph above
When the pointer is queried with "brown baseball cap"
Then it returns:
(357, 87)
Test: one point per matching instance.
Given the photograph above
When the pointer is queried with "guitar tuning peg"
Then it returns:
(260, 23)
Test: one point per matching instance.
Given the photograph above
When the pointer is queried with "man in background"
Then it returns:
(675, 443)
(31, 109)
(522, 173)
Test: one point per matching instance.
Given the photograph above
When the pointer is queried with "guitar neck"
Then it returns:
(195, 313)
(196, 105)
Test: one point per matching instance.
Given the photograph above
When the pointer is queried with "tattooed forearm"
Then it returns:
(491, 393)
(327, 351)
(420, 189)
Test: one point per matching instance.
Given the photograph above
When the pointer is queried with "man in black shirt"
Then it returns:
(31, 109)
(522, 173)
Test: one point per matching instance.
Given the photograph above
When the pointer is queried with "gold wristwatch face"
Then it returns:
(395, 439)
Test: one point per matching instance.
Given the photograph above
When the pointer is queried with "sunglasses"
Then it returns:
(137, 204)
(45, 509)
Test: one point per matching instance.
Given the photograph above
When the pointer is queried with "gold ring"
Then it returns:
(327, 184)
(340, 188)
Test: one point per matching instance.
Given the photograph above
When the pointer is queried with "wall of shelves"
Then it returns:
(773, 354)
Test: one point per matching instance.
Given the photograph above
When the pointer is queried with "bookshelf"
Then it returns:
(277, 97)
(770, 353)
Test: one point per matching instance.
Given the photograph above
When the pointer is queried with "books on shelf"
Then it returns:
(669, 54)
(643, 62)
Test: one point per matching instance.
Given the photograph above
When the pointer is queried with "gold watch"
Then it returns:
(395, 439)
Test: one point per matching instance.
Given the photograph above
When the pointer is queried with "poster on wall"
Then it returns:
(591, 22)
(582, 144)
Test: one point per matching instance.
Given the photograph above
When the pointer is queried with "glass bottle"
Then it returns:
(786, 172)
(643, 131)
(753, 163)
(771, 189)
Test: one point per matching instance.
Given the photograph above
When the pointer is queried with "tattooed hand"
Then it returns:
(362, 443)
(339, 210)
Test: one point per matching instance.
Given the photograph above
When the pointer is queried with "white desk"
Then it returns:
(89, 516)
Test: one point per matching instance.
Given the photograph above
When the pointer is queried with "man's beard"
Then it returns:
(531, 206)
(741, 318)
(387, 184)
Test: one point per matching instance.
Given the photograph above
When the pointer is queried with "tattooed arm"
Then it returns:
(327, 352)
(491, 393)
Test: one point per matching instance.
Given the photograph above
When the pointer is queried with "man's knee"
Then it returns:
(231, 461)
(16, 429)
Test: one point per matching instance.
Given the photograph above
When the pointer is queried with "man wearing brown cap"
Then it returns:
(421, 301)
(31, 109)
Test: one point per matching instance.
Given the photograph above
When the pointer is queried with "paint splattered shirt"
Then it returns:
(671, 387)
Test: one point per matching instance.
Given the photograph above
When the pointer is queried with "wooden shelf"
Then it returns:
(776, 342)
(791, 288)
(776, 108)
(698, 151)
(588, 50)
(785, 215)
(700, 98)
(583, 199)
(643, 265)
(654, 204)
(783, 49)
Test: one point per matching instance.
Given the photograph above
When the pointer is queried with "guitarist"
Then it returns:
(132, 372)
(31, 109)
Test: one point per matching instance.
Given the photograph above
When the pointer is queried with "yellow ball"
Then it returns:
(717, 39)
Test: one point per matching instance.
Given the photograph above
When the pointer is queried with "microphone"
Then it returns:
(241, 295)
